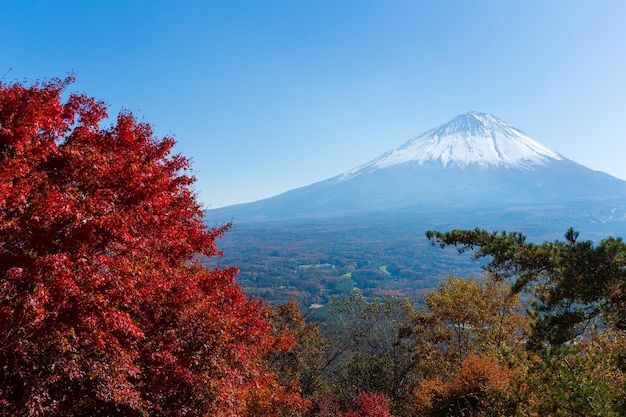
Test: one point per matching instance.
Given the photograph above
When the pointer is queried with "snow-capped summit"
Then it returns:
(472, 138)
(475, 163)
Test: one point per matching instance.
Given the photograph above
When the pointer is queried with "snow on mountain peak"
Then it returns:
(473, 138)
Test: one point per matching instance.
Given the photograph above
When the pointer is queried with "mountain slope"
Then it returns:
(473, 163)
(364, 229)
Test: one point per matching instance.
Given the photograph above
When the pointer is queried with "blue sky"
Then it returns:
(270, 95)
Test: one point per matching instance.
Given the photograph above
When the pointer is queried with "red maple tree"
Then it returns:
(366, 404)
(105, 308)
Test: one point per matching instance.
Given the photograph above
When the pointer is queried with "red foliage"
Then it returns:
(371, 404)
(367, 404)
(104, 308)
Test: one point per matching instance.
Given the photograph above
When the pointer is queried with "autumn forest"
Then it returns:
(117, 299)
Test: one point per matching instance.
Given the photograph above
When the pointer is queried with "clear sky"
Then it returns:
(270, 95)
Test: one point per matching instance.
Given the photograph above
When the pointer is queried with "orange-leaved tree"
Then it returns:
(105, 308)
(481, 387)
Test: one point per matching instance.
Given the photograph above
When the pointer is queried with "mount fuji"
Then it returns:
(469, 139)
(475, 170)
